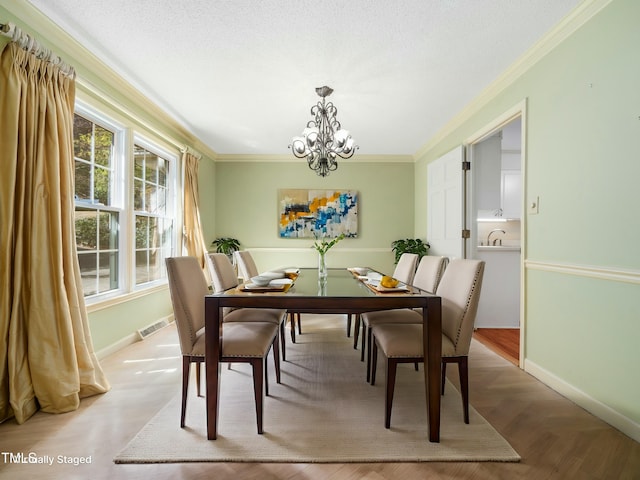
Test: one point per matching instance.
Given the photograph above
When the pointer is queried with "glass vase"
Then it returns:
(322, 266)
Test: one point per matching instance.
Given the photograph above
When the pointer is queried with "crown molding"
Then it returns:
(574, 20)
(240, 158)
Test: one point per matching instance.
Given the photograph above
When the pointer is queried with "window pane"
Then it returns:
(82, 137)
(151, 202)
(108, 272)
(162, 172)
(83, 180)
(88, 272)
(103, 146)
(151, 168)
(142, 270)
(108, 231)
(138, 164)
(155, 264)
(138, 197)
(102, 185)
(86, 229)
(142, 232)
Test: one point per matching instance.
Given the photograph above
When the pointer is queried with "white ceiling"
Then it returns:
(241, 74)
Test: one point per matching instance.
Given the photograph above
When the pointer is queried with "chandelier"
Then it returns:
(323, 140)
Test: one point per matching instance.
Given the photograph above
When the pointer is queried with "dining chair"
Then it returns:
(427, 278)
(248, 269)
(459, 290)
(247, 342)
(246, 265)
(405, 271)
(224, 278)
(406, 268)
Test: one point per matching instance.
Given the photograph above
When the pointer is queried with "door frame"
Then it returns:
(518, 110)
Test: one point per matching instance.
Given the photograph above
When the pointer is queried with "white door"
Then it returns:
(445, 204)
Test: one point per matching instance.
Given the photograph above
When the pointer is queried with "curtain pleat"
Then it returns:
(193, 236)
(46, 353)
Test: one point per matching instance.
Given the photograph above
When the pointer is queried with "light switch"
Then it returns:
(534, 206)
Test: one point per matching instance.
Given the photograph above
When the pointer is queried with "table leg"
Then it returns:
(212, 363)
(432, 339)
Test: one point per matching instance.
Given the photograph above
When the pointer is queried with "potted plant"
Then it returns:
(410, 245)
(226, 245)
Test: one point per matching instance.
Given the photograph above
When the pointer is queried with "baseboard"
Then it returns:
(119, 345)
(593, 406)
(126, 341)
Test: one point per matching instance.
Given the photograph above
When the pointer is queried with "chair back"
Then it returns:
(223, 274)
(460, 292)
(188, 287)
(429, 272)
(406, 268)
(246, 266)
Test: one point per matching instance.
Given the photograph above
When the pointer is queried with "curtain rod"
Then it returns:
(30, 44)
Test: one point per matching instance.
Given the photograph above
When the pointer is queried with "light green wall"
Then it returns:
(112, 324)
(582, 129)
(247, 209)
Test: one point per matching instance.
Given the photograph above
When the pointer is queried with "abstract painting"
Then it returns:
(308, 213)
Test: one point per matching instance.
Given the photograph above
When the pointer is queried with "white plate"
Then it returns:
(280, 281)
(273, 274)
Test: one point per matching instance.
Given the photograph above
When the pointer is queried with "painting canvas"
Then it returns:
(308, 213)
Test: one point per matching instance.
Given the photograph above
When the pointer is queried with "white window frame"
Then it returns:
(126, 135)
(172, 184)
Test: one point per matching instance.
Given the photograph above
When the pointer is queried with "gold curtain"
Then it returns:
(193, 236)
(46, 353)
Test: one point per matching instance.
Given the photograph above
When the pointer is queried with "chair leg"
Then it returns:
(258, 368)
(364, 341)
(299, 324)
(198, 368)
(374, 362)
(186, 366)
(370, 342)
(444, 374)
(276, 358)
(463, 372)
(349, 325)
(356, 332)
(283, 343)
(392, 366)
(292, 324)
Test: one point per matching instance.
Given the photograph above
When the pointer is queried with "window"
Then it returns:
(154, 224)
(121, 243)
(97, 219)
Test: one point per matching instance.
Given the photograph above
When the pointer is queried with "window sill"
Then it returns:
(100, 304)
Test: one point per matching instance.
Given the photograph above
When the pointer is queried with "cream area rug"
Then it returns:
(323, 411)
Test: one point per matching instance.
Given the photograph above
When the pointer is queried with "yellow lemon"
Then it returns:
(389, 282)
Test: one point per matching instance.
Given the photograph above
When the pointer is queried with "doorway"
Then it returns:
(495, 208)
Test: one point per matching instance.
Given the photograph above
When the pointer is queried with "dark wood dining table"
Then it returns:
(340, 292)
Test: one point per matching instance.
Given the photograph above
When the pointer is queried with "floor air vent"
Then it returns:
(151, 329)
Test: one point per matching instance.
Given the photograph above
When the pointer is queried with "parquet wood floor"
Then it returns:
(556, 438)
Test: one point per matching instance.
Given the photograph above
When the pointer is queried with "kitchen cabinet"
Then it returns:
(511, 193)
(499, 305)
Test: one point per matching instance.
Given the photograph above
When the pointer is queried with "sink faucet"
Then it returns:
(495, 239)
